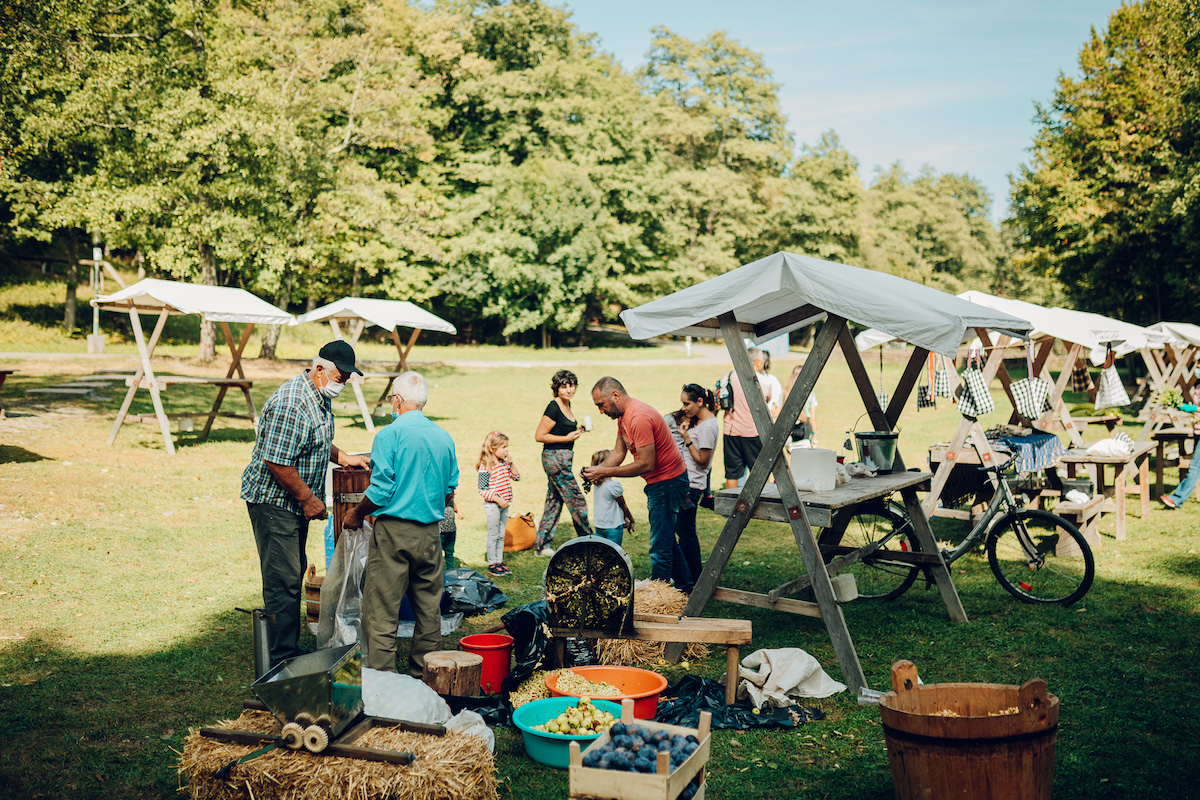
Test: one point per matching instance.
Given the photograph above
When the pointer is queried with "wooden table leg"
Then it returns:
(1144, 484)
(1160, 455)
(731, 673)
(1119, 495)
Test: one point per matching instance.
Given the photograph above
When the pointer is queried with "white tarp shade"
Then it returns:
(1184, 332)
(1075, 327)
(387, 314)
(214, 303)
(786, 291)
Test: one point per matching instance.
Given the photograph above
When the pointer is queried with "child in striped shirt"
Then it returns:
(496, 464)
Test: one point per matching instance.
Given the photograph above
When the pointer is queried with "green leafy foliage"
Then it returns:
(1107, 204)
(482, 157)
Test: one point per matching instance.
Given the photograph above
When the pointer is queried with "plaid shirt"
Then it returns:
(295, 429)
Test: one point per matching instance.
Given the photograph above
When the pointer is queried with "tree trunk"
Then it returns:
(271, 337)
(72, 280)
(356, 282)
(545, 337)
(208, 276)
(310, 304)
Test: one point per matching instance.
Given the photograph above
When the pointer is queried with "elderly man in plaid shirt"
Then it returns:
(284, 484)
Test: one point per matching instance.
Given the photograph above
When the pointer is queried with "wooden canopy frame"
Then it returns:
(355, 327)
(1170, 366)
(800, 513)
(144, 377)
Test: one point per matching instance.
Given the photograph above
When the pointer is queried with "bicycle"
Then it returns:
(1037, 556)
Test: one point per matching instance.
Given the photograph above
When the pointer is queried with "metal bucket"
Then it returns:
(879, 446)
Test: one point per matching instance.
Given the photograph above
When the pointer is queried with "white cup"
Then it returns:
(587, 423)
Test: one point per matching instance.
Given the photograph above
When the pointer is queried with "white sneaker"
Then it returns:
(546, 551)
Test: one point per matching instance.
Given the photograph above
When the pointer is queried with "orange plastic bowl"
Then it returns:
(639, 685)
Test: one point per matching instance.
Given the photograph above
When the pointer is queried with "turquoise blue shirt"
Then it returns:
(413, 469)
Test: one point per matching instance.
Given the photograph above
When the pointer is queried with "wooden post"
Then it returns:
(355, 381)
(453, 672)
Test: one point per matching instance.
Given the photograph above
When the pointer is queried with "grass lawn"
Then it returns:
(124, 565)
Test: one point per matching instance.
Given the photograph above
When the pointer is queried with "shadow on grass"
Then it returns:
(13, 454)
(192, 438)
(107, 726)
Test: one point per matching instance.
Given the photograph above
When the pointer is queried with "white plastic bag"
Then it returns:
(342, 590)
(396, 696)
(467, 721)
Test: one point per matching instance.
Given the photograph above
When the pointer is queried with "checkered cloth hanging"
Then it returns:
(941, 379)
(1030, 394)
(1110, 391)
(975, 400)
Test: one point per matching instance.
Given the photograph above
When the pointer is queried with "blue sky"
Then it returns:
(951, 84)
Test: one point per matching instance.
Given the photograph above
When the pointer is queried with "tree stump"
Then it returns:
(453, 672)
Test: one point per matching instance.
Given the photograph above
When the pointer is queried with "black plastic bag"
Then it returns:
(527, 625)
(494, 709)
(469, 592)
(682, 703)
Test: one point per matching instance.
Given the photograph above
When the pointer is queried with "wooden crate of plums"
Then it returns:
(642, 760)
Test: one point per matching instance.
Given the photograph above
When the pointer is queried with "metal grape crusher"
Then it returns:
(589, 586)
(317, 698)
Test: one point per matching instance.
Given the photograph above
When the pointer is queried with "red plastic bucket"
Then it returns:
(496, 649)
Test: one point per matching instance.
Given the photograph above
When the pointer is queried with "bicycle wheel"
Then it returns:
(878, 576)
(1058, 569)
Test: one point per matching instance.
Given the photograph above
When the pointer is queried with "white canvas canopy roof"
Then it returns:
(1184, 332)
(1077, 327)
(214, 303)
(387, 314)
(786, 291)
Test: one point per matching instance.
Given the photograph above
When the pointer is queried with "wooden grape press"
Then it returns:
(779, 294)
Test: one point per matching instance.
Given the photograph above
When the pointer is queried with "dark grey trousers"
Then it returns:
(281, 537)
(405, 558)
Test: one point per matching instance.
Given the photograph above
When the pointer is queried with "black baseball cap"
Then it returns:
(342, 356)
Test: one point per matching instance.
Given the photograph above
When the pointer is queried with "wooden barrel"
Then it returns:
(348, 487)
(983, 741)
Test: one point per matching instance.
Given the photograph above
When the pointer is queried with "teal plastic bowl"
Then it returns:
(551, 749)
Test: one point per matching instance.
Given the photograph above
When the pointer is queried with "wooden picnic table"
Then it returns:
(1163, 439)
(1117, 489)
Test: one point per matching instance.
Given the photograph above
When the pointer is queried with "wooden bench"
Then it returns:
(669, 628)
(1086, 517)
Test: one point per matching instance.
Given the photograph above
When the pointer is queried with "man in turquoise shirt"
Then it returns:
(414, 472)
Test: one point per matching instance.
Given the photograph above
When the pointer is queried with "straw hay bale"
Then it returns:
(455, 766)
(652, 597)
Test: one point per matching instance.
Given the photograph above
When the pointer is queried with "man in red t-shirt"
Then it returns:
(642, 433)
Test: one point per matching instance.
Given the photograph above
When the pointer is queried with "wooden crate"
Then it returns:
(602, 784)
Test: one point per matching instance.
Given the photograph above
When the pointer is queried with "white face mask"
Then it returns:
(331, 389)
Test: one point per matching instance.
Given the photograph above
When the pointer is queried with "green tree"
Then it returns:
(932, 229)
(1108, 202)
(726, 144)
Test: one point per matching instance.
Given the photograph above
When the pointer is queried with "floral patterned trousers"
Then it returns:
(561, 488)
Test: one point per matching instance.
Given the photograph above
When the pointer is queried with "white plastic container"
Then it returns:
(813, 469)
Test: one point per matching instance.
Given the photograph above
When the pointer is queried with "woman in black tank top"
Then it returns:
(557, 431)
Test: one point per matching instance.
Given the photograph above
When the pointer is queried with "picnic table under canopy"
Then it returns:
(1085, 336)
(218, 304)
(1171, 366)
(391, 315)
(782, 293)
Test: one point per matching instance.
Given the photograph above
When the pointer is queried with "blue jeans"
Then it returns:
(615, 535)
(1184, 490)
(685, 530)
(664, 499)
